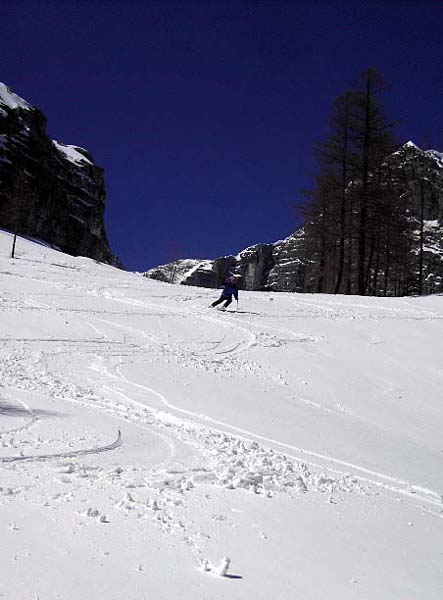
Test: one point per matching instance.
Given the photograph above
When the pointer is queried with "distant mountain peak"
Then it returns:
(11, 100)
(433, 154)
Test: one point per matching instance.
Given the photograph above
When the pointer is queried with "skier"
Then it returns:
(229, 289)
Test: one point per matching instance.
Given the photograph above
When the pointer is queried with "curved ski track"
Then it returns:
(387, 483)
(116, 444)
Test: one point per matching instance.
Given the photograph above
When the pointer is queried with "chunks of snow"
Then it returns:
(220, 571)
(223, 567)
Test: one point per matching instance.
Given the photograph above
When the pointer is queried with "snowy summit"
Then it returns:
(11, 100)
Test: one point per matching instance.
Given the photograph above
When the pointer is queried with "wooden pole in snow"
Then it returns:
(13, 246)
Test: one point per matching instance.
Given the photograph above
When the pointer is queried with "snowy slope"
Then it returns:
(144, 437)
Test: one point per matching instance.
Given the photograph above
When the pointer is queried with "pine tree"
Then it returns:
(335, 154)
(372, 142)
(350, 198)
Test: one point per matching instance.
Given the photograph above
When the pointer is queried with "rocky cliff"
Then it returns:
(49, 190)
(282, 266)
(422, 173)
(277, 267)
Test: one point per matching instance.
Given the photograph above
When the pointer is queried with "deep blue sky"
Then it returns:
(204, 114)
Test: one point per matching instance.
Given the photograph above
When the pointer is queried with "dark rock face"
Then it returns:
(49, 190)
(422, 170)
(289, 258)
(253, 265)
(285, 265)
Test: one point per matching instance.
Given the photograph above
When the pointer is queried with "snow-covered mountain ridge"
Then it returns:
(145, 437)
(49, 190)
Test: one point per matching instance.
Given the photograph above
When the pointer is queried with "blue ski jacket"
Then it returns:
(230, 290)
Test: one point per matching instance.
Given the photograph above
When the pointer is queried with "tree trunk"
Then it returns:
(364, 198)
(388, 265)
(344, 184)
(421, 238)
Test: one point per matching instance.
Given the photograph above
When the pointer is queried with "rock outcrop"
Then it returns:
(422, 171)
(49, 190)
(277, 267)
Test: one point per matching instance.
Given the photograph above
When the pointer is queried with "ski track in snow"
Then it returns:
(74, 453)
(111, 382)
(360, 473)
(240, 476)
(366, 476)
(248, 339)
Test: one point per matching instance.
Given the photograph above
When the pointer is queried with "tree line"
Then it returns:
(366, 213)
